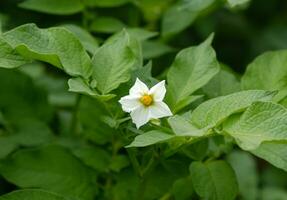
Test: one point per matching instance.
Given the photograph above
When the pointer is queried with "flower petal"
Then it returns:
(158, 91)
(159, 110)
(129, 103)
(140, 116)
(139, 88)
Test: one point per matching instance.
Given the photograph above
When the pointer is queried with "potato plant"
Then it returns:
(143, 100)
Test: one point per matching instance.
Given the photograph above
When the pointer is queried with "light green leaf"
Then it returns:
(234, 3)
(88, 41)
(114, 61)
(52, 168)
(245, 169)
(275, 152)
(79, 85)
(105, 3)
(141, 34)
(193, 67)
(182, 14)
(9, 58)
(214, 180)
(185, 102)
(58, 7)
(215, 111)
(267, 72)
(106, 25)
(183, 127)
(149, 138)
(32, 194)
(56, 46)
(262, 121)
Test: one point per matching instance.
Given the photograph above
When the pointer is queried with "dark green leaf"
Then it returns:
(214, 180)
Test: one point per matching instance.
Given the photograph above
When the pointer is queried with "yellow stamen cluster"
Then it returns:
(146, 100)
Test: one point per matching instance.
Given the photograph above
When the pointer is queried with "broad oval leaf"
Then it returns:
(215, 111)
(58, 7)
(149, 138)
(9, 58)
(262, 121)
(192, 68)
(275, 152)
(244, 166)
(214, 180)
(52, 168)
(88, 41)
(106, 25)
(114, 61)
(183, 127)
(181, 15)
(56, 46)
(267, 72)
(223, 83)
(32, 194)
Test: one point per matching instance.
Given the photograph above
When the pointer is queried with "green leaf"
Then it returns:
(262, 121)
(183, 127)
(234, 3)
(88, 41)
(21, 99)
(215, 111)
(150, 138)
(153, 49)
(214, 180)
(52, 168)
(32, 194)
(182, 188)
(119, 162)
(56, 46)
(223, 83)
(9, 58)
(114, 61)
(105, 3)
(141, 34)
(92, 115)
(193, 67)
(106, 25)
(197, 150)
(30, 132)
(79, 85)
(182, 14)
(185, 102)
(275, 152)
(96, 158)
(268, 72)
(58, 7)
(271, 193)
(244, 166)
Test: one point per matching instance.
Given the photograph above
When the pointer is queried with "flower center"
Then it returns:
(146, 100)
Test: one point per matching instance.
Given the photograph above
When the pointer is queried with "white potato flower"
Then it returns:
(144, 104)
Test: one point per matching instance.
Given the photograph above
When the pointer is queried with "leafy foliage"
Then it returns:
(65, 136)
